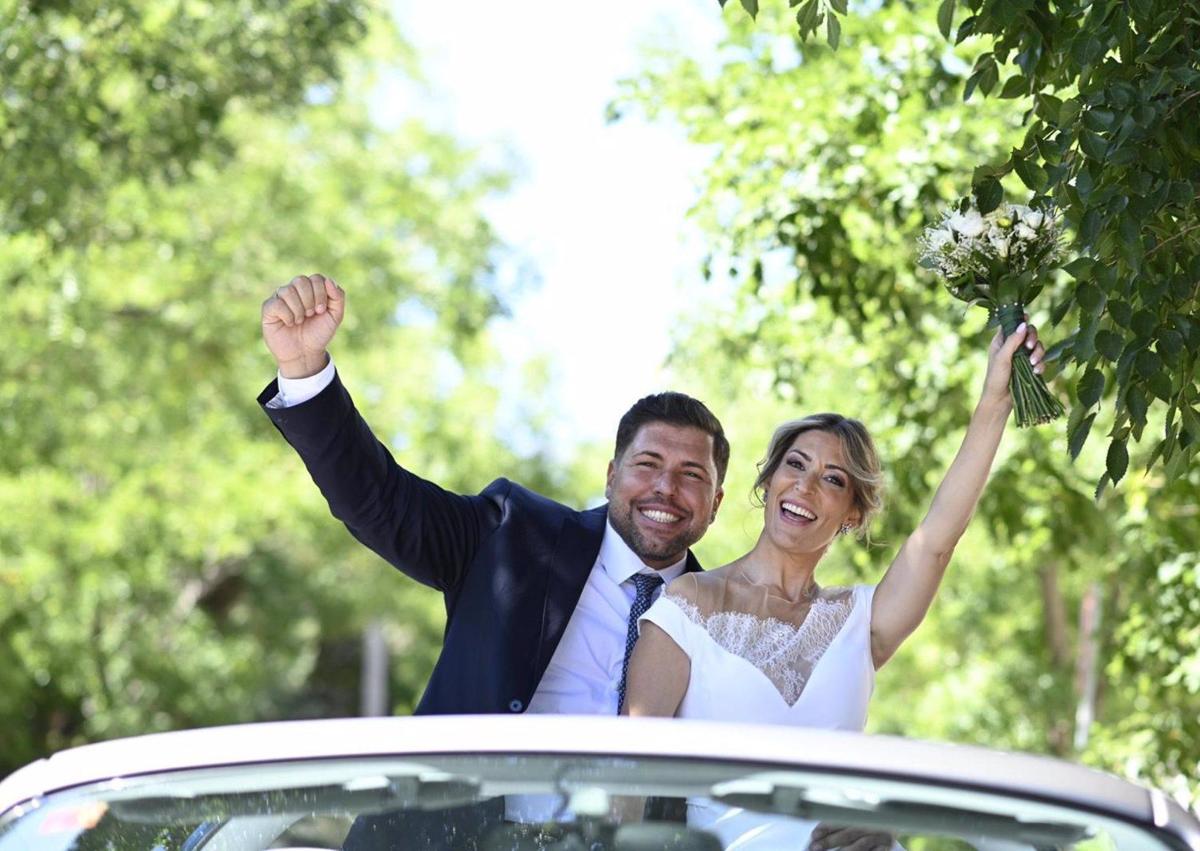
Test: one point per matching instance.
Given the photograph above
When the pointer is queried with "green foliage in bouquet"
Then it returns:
(999, 259)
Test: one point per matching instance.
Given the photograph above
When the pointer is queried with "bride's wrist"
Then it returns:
(994, 407)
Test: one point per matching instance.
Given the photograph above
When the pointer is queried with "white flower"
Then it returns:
(1024, 232)
(999, 245)
(968, 224)
(1034, 218)
(937, 239)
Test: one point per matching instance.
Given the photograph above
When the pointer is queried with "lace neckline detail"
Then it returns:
(785, 653)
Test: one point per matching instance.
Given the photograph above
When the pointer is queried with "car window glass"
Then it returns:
(603, 802)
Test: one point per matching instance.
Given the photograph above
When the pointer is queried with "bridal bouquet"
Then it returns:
(998, 260)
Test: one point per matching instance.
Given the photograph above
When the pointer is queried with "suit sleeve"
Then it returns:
(425, 531)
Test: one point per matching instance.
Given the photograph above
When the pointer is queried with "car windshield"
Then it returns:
(539, 801)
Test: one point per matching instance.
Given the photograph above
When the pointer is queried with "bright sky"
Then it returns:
(598, 210)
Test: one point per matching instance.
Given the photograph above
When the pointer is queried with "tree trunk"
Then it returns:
(1087, 664)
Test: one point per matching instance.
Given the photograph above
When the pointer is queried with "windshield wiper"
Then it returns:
(426, 791)
(781, 796)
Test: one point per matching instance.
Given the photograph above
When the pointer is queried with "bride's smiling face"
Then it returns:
(810, 495)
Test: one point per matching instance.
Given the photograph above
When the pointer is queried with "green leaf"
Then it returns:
(808, 16)
(1144, 323)
(1031, 174)
(1174, 458)
(1091, 387)
(1127, 227)
(1106, 277)
(1155, 455)
(1078, 435)
(1117, 460)
(1188, 327)
(1069, 112)
(984, 76)
(1090, 226)
(1047, 150)
(988, 78)
(1089, 297)
(1059, 311)
(1121, 312)
(966, 29)
(1125, 362)
(1099, 119)
(1170, 345)
(1147, 363)
(1160, 385)
(988, 194)
(1086, 48)
(1085, 340)
(751, 6)
(1015, 86)
(1191, 421)
(1093, 145)
(833, 30)
(1048, 108)
(1109, 344)
(1080, 267)
(1056, 351)
(1084, 185)
(1136, 400)
(840, 6)
(945, 17)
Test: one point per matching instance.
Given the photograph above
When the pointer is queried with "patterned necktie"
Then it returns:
(646, 584)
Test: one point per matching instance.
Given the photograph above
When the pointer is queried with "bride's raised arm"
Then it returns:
(907, 589)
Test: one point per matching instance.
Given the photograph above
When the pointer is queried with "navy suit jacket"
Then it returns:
(510, 563)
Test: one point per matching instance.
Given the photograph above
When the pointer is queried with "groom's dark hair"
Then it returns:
(677, 409)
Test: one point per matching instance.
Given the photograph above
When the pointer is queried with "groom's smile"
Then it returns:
(660, 516)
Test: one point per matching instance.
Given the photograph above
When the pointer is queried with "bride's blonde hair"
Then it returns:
(862, 461)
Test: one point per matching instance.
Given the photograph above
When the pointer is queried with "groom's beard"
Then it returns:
(657, 549)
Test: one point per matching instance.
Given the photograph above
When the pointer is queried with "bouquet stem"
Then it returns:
(1032, 400)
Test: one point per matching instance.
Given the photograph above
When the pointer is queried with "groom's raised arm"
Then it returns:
(423, 530)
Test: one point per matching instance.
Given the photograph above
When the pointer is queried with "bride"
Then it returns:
(759, 640)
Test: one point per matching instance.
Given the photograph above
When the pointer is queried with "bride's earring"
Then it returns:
(845, 529)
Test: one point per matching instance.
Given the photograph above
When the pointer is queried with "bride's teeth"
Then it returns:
(798, 511)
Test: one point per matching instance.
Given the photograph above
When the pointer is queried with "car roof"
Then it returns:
(1027, 776)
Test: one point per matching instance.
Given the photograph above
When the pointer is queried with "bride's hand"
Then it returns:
(826, 835)
(1000, 355)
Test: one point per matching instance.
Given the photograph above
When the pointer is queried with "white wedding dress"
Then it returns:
(758, 658)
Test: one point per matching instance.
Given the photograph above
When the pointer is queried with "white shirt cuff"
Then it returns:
(294, 391)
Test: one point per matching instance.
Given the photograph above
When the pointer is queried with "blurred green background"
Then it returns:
(165, 561)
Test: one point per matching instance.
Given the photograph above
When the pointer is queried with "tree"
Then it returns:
(1106, 93)
(825, 167)
(164, 559)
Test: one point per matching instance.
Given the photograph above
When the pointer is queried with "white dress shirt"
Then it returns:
(583, 673)
(585, 669)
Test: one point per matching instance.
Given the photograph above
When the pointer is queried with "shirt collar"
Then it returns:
(620, 562)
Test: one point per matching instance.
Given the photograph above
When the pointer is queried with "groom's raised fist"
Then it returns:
(299, 320)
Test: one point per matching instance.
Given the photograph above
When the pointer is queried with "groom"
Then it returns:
(538, 595)
(541, 600)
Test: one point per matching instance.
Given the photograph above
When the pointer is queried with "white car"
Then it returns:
(561, 782)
